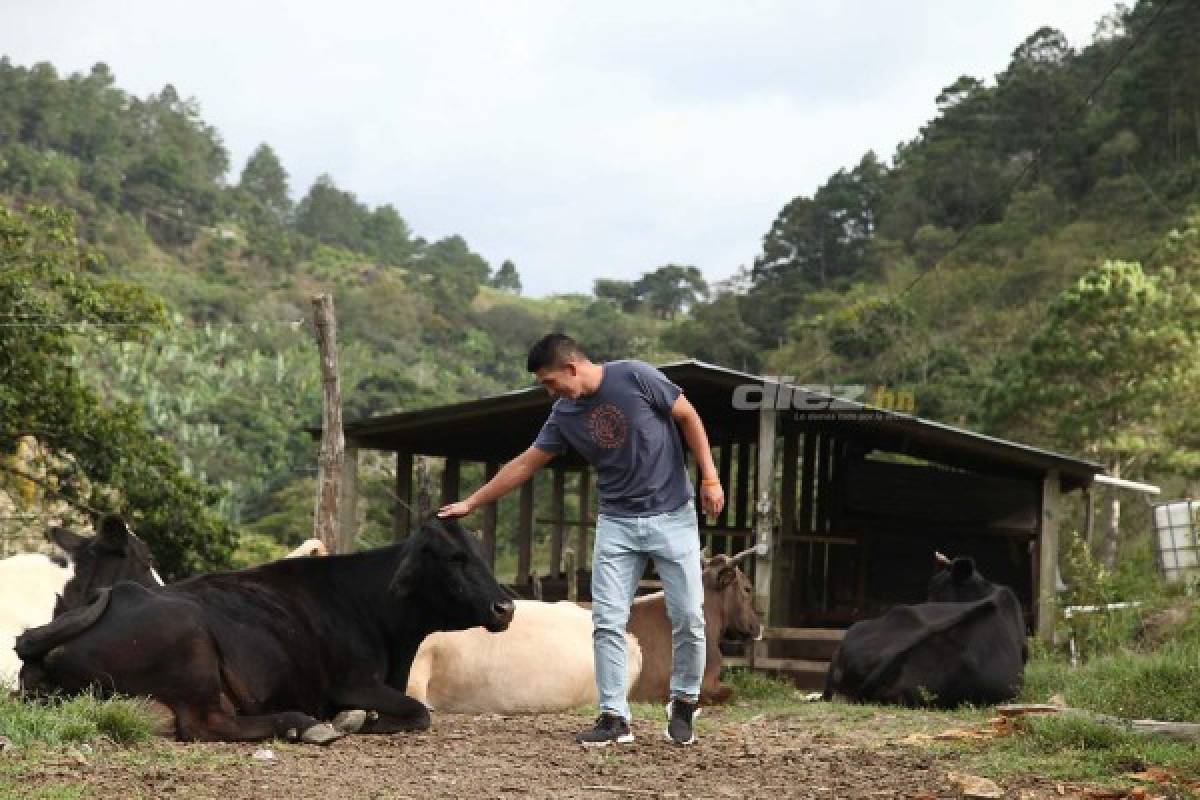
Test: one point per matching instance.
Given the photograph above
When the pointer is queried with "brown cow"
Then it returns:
(728, 613)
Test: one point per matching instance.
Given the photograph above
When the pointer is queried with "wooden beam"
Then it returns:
(525, 532)
(451, 480)
(585, 517)
(783, 563)
(558, 509)
(805, 634)
(807, 474)
(403, 501)
(787, 500)
(764, 516)
(742, 501)
(725, 473)
(348, 502)
(781, 664)
(489, 518)
(1089, 520)
(1047, 547)
(824, 482)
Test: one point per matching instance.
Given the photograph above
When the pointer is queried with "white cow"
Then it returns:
(542, 663)
(30, 584)
(310, 547)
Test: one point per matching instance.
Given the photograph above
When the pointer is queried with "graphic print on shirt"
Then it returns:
(607, 425)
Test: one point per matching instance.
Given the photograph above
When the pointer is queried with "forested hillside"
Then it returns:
(1027, 263)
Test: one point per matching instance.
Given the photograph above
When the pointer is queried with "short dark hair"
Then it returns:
(552, 350)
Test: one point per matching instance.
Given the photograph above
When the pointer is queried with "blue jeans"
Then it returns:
(622, 546)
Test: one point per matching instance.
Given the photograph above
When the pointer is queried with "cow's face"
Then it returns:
(728, 592)
(444, 569)
(959, 582)
(114, 554)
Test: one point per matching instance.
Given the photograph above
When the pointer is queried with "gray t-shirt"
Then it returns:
(625, 430)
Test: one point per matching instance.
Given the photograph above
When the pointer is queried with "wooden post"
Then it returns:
(725, 473)
(1047, 550)
(585, 513)
(764, 520)
(558, 511)
(525, 532)
(489, 518)
(742, 501)
(787, 502)
(1089, 521)
(807, 480)
(333, 441)
(424, 489)
(401, 516)
(348, 506)
(572, 575)
(784, 556)
(451, 471)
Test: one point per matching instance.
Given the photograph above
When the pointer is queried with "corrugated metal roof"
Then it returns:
(500, 426)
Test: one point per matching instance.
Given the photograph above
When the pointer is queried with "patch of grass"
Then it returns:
(20, 790)
(75, 720)
(1159, 685)
(1075, 748)
(754, 687)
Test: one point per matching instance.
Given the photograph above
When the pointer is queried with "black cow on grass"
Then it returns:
(273, 650)
(966, 645)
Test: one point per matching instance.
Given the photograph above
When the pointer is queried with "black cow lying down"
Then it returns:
(271, 651)
(966, 645)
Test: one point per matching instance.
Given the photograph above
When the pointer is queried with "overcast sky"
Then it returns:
(579, 139)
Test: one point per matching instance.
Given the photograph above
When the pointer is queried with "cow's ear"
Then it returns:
(962, 569)
(67, 540)
(726, 576)
(113, 533)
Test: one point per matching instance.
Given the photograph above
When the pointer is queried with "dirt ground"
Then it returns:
(490, 756)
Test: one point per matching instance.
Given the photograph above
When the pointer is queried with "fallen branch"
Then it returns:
(1179, 731)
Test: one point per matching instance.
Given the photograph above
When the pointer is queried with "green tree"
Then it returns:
(623, 294)
(387, 237)
(1108, 373)
(671, 288)
(715, 332)
(506, 278)
(102, 456)
(265, 179)
(332, 216)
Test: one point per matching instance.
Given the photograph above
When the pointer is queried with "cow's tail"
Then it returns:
(36, 642)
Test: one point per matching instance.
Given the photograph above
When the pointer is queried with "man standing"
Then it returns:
(621, 417)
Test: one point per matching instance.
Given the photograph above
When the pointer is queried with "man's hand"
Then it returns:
(459, 509)
(712, 498)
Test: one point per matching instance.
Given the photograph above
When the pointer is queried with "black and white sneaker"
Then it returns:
(680, 715)
(609, 729)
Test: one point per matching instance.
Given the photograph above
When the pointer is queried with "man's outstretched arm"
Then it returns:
(510, 476)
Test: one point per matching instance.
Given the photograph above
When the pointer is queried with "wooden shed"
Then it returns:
(847, 500)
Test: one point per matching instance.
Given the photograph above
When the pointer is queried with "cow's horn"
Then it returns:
(941, 559)
(742, 556)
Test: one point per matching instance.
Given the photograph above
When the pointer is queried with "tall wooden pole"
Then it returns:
(489, 518)
(764, 520)
(333, 442)
(404, 496)
(1047, 552)
(558, 511)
